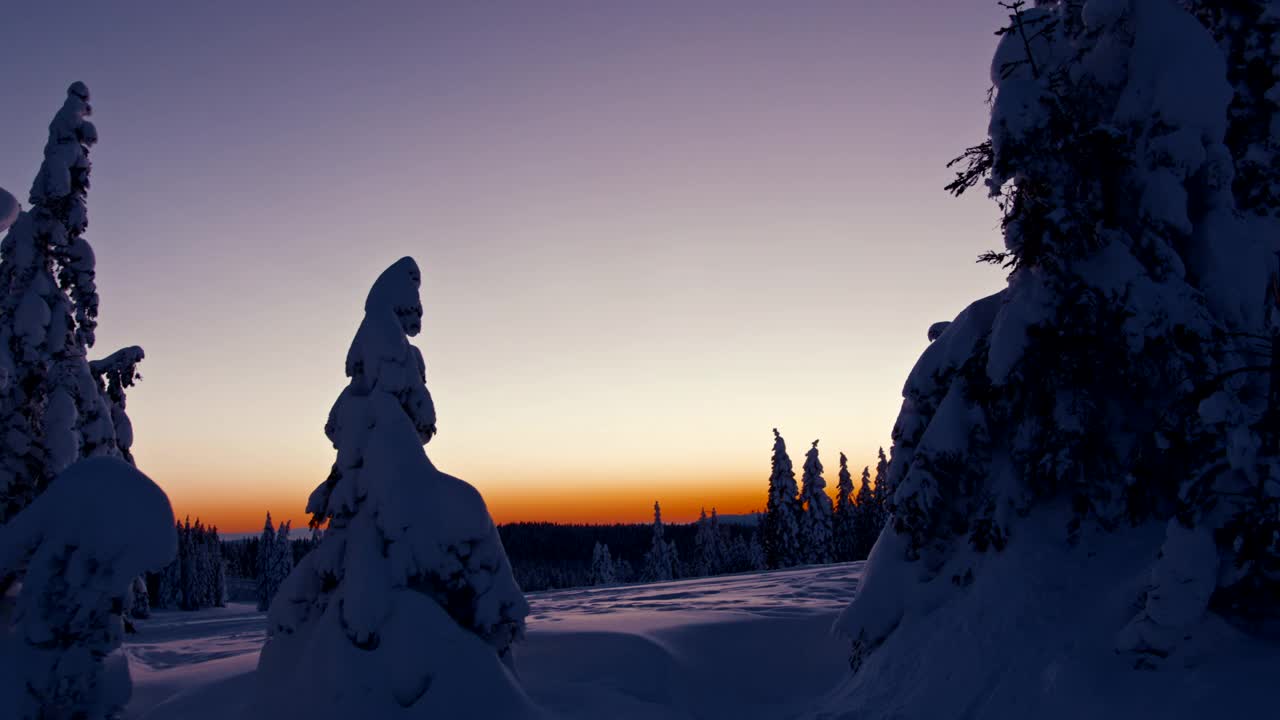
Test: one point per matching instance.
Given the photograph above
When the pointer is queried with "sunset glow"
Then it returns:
(647, 236)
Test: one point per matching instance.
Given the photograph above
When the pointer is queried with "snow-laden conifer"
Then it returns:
(868, 519)
(781, 524)
(844, 520)
(1109, 396)
(708, 545)
(660, 562)
(883, 492)
(408, 608)
(816, 521)
(267, 585)
(52, 411)
(139, 601)
(603, 570)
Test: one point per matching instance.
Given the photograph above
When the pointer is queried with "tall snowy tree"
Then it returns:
(408, 608)
(660, 562)
(781, 524)
(52, 410)
(816, 521)
(844, 521)
(1107, 396)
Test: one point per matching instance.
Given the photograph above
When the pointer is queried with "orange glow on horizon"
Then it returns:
(681, 503)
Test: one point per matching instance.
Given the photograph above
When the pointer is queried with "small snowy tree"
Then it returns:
(408, 608)
(79, 546)
(708, 545)
(266, 561)
(883, 493)
(781, 524)
(281, 557)
(844, 521)
(218, 570)
(660, 563)
(603, 571)
(755, 558)
(868, 520)
(139, 601)
(816, 521)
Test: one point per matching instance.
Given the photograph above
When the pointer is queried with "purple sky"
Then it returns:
(649, 231)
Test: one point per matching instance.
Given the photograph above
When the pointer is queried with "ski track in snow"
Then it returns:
(751, 645)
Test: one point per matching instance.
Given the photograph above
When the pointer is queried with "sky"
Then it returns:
(649, 232)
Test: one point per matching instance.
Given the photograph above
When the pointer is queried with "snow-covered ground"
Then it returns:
(754, 645)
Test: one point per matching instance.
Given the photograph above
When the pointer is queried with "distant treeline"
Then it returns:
(544, 555)
(547, 556)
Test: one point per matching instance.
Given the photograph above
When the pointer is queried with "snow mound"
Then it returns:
(99, 525)
(1020, 642)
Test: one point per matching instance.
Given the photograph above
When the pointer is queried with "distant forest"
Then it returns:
(548, 556)
(544, 556)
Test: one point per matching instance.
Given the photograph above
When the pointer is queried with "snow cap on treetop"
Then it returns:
(396, 289)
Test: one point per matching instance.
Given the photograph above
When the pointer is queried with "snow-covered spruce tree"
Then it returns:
(844, 517)
(868, 520)
(408, 608)
(281, 561)
(781, 524)
(883, 492)
(1248, 32)
(816, 521)
(708, 557)
(660, 563)
(1057, 432)
(80, 546)
(52, 411)
(603, 571)
(139, 601)
(755, 558)
(266, 559)
(218, 570)
(719, 551)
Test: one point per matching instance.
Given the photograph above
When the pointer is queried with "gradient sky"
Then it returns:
(649, 231)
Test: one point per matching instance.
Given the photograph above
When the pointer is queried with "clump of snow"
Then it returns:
(9, 209)
(1032, 635)
(82, 544)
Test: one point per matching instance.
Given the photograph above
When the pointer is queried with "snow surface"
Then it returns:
(1020, 642)
(754, 645)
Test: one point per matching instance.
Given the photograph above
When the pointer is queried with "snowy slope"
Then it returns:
(754, 645)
